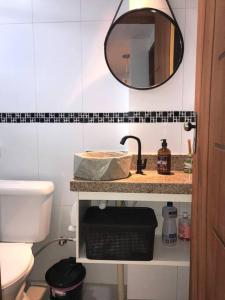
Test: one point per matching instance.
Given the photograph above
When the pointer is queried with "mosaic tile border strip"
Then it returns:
(116, 117)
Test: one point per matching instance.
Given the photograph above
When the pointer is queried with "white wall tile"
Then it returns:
(57, 145)
(192, 3)
(18, 158)
(58, 64)
(60, 223)
(15, 11)
(190, 59)
(101, 91)
(56, 10)
(104, 136)
(17, 89)
(183, 283)
(98, 10)
(101, 273)
(145, 282)
(180, 16)
(177, 3)
(151, 134)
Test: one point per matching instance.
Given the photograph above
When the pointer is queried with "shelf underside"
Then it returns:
(134, 197)
(178, 255)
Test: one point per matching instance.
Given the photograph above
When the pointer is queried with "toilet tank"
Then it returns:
(25, 210)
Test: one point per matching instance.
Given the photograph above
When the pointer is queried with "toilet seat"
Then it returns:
(16, 260)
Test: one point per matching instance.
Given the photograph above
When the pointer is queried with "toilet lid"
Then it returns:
(16, 260)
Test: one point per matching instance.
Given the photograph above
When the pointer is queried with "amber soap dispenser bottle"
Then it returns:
(164, 159)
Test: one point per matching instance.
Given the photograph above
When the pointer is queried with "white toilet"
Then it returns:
(25, 211)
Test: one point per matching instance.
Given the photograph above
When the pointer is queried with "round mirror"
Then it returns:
(144, 48)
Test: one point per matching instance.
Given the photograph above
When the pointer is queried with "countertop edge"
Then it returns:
(157, 188)
(181, 183)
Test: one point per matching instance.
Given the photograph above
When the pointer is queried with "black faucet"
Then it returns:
(140, 166)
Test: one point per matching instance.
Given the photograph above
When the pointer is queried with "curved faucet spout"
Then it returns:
(123, 140)
(140, 165)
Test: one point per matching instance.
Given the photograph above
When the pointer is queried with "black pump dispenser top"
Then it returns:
(164, 143)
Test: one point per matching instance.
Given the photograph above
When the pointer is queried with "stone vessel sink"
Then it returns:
(102, 165)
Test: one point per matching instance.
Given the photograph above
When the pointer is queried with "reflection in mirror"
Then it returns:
(144, 48)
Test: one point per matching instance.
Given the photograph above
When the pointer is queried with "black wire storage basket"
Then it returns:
(119, 233)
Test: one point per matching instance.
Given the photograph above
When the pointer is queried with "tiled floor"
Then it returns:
(99, 292)
(90, 292)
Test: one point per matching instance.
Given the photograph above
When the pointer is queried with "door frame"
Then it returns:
(206, 17)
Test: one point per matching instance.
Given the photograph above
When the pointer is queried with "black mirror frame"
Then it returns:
(118, 20)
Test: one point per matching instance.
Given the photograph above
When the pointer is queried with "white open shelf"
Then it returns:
(178, 255)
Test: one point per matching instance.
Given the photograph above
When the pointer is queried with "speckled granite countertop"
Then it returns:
(176, 183)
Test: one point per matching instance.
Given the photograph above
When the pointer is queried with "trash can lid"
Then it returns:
(65, 273)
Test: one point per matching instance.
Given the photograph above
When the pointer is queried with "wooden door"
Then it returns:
(208, 244)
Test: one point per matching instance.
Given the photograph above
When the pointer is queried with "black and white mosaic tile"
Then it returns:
(106, 117)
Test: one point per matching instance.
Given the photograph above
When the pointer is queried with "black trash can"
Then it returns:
(65, 279)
